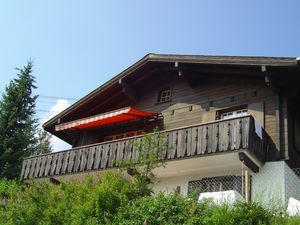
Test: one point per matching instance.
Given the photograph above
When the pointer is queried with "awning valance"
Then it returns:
(112, 117)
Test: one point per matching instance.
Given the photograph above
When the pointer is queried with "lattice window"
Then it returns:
(215, 184)
(165, 95)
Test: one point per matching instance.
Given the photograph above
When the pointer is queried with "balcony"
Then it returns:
(238, 135)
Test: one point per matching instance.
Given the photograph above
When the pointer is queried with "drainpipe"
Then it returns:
(278, 118)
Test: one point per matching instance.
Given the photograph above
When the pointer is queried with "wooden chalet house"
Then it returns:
(229, 122)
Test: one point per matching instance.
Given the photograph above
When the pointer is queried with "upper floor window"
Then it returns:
(123, 135)
(165, 95)
(232, 112)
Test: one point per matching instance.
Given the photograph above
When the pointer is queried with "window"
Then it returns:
(123, 135)
(232, 112)
(164, 95)
(215, 184)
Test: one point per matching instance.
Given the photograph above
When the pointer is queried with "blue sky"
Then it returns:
(78, 45)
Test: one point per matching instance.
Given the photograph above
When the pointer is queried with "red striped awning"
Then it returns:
(112, 117)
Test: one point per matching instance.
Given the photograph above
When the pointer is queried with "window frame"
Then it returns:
(233, 110)
(167, 97)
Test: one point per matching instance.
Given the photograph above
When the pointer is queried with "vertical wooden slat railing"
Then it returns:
(199, 140)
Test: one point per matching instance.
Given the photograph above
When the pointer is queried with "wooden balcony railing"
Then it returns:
(194, 141)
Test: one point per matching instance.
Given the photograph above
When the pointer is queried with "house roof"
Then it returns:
(240, 61)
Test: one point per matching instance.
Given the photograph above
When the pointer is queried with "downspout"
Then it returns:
(278, 118)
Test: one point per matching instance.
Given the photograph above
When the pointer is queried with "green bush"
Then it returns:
(115, 200)
(73, 203)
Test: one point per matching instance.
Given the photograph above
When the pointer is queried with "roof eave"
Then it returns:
(97, 90)
(228, 60)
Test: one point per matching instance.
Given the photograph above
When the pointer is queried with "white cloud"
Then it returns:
(59, 106)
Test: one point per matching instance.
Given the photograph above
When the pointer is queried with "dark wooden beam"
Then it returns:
(183, 75)
(128, 91)
(248, 162)
(99, 104)
(269, 81)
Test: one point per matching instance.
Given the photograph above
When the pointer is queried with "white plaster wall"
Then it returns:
(292, 184)
(268, 185)
(275, 183)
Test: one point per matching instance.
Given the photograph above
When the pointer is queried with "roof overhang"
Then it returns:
(104, 119)
(155, 59)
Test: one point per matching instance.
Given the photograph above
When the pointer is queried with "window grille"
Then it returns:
(165, 95)
(234, 114)
(215, 184)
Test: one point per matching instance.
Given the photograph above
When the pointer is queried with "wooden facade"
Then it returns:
(201, 89)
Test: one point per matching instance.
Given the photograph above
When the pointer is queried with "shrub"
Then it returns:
(72, 203)
(115, 200)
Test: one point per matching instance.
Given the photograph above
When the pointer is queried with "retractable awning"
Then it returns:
(112, 117)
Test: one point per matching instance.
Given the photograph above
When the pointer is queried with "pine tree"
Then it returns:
(18, 125)
(43, 142)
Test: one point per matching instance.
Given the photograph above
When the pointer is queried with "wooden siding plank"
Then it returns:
(98, 153)
(53, 164)
(181, 143)
(163, 143)
(77, 159)
(83, 161)
(24, 163)
(174, 153)
(65, 162)
(199, 139)
(238, 134)
(38, 166)
(222, 134)
(120, 150)
(189, 142)
(210, 139)
(245, 132)
(127, 152)
(131, 147)
(71, 161)
(104, 156)
(135, 152)
(27, 168)
(232, 134)
(48, 165)
(170, 144)
(112, 154)
(194, 139)
(91, 157)
(203, 134)
(215, 143)
(59, 163)
(32, 168)
(43, 166)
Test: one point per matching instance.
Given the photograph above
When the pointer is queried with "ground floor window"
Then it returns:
(215, 184)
